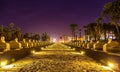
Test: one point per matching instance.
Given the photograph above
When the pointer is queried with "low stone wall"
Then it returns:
(14, 55)
(100, 56)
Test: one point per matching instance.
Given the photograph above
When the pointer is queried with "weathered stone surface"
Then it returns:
(84, 44)
(30, 44)
(90, 44)
(111, 46)
(59, 58)
(3, 45)
(99, 45)
(24, 43)
(15, 44)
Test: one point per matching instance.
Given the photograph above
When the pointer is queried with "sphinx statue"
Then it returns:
(15, 45)
(24, 43)
(3, 45)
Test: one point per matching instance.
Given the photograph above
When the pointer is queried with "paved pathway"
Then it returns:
(56, 58)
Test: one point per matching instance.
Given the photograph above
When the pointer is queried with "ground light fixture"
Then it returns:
(113, 65)
(110, 65)
(13, 59)
(3, 63)
(33, 51)
(82, 52)
(8, 66)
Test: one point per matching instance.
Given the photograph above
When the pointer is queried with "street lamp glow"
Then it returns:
(54, 39)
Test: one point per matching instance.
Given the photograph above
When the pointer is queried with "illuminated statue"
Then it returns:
(30, 44)
(90, 44)
(3, 45)
(34, 43)
(111, 45)
(24, 43)
(15, 44)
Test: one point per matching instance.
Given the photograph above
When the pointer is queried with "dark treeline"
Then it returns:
(99, 30)
(11, 32)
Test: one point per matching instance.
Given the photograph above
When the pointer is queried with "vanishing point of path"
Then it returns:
(56, 58)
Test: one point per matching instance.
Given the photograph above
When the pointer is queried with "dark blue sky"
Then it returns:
(52, 16)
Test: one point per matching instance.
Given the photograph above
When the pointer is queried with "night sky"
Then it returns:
(52, 16)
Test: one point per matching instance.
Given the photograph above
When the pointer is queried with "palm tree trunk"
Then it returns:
(118, 33)
(105, 35)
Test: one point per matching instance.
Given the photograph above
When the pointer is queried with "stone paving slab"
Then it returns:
(58, 58)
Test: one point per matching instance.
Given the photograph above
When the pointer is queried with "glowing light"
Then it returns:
(13, 60)
(3, 63)
(105, 67)
(73, 49)
(8, 66)
(33, 51)
(42, 48)
(54, 39)
(82, 53)
(111, 65)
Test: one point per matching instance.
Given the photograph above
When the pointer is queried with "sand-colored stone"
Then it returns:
(15, 45)
(98, 45)
(90, 45)
(30, 44)
(3, 45)
(24, 43)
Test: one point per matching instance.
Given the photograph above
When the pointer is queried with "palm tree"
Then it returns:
(11, 25)
(112, 9)
(86, 31)
(26, 35)
(80, 34)
(73, 28)
(45, 37)
(18, 33)
(107, 27)
(98, 28)
(91, 31)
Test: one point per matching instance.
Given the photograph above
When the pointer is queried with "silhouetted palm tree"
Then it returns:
(98, 28)
(80, 34)
(73, 28)
(11, 25)
(112, 9)
(91, 31)
(45, 37)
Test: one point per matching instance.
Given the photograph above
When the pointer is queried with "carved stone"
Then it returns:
(15, 45)
(24, 43)
(3, 45)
